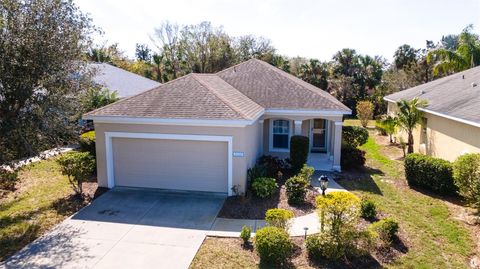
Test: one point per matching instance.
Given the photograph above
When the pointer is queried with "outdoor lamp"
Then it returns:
(323, 183)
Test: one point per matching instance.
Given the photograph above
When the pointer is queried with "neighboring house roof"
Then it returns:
(125, 83)
(456, 97)
(242, 92)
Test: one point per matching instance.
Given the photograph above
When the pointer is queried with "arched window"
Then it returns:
(280, 134)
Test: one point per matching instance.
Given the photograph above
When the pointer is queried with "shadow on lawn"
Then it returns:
(360, 180)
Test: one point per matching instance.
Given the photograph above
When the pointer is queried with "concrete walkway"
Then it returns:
(223, 227)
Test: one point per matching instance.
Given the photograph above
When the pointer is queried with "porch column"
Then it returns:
(298, 127)
(337, 145)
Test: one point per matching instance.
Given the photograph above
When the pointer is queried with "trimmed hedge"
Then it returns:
(298, 151)
(87, 142)
(354, 135)
(352, 157)
(273, 245)
(264, 187)
(430, 173)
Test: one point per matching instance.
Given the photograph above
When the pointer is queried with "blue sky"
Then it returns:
(314, 29)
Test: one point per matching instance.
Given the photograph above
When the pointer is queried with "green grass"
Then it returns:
(43, 199)
(434, 239)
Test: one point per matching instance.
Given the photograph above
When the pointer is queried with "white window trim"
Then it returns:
(109, 150)
(270, 140)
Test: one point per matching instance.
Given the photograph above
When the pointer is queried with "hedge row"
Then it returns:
(430, 173)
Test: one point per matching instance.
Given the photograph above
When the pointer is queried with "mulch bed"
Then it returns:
(252, 207)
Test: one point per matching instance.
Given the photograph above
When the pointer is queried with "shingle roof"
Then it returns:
(453, 96)
(242, 92)
(116, 79)
(273, 88)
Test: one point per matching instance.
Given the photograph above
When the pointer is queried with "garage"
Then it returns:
(181, 162)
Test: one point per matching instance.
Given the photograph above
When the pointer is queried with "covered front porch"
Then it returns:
(324, 133)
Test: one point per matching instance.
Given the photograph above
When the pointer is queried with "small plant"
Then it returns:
(278, 217)
(256, 171)
(246, 234)
(466, 174)
(299, 146)
(264, 187)
(296, 188)
(388, 124)
(306, 172)
(8, 179)
(368, 209)
(78, 166)
(364, 112)
(386, 229)
(87, 142)
(272, 165)
(273, 245)
(352, 157)
(354, 135)
(324, 246)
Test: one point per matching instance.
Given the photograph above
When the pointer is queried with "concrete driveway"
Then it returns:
(126, 229)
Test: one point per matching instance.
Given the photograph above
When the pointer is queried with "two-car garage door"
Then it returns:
(170, 164)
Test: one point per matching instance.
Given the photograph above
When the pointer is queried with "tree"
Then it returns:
(389, 124)
(167, 39)
(404, 56)
(315, 73)
(95, 97)
(365, 112)
(249, 46)
(78, 167)
(466, 55)
(143, 53)
(409, 116)
(42, 44)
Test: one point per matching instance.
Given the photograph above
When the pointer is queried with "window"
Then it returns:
(280, 134)
(423, 134)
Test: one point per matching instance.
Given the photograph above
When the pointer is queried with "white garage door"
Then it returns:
(170, 164)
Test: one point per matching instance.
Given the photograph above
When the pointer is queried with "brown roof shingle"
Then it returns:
(241, 92)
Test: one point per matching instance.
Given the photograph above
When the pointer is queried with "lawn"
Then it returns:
(43, 198)
(430, 235)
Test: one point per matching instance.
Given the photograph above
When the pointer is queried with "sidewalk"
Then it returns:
(223, 227)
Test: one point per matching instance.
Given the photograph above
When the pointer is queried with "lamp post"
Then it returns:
(306, 230)
(323, 184)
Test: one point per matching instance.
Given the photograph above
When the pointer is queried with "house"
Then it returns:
(125, 83)
(451, 123)
(201, 132)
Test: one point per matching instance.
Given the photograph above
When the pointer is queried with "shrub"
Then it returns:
(296, 188)
(272, 165)
(354, 135)
(324, 246)
(256, 171)
(387, 126)
(386, 229)
(8, 179)
(264, 187)
(338, 211)
(368, 209)
(352, 157)
(466, 175)
(364, 112)
(278, 217)
(78, 166)
(430, 173)
(273, 245)
(306, 172)
(245, 234)
(299, 145)
(87, 142)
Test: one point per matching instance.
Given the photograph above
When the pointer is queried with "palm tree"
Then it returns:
(409, 116)
(389, 124)
(466, 54)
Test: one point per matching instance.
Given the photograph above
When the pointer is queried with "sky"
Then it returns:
(308, 28)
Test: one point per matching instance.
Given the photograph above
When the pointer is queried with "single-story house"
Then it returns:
(451, 123)
(201, 132)
(125, 83)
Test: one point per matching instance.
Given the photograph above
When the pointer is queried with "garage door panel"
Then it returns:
(171, 164)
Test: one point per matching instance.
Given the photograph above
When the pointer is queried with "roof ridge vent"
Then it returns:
(474, 84)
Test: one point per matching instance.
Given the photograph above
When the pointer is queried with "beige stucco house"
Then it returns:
(201, 132)
(451, 123)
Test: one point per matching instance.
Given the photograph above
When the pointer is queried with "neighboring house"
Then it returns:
(451, 123)
(125, 83)
(202, 132)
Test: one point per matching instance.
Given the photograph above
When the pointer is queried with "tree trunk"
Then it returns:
(410, 142)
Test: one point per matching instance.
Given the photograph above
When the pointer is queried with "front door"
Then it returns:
(319, 135)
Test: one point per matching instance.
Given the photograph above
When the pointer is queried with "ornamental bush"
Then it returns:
(278, 217)
(264, 187)
(87, 142)
(364, 112)
(352, 157)
(306, 172)
(429, 173)
(386, 229)
(273, 245)
(324, 246)
(466, 175)
(272, 165)
(254, 172)
(296, 188)
(299, 145)
(338, 210)
(78, 167)
(368, 209)
(245, 234)
(354, 135)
